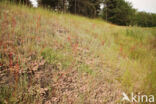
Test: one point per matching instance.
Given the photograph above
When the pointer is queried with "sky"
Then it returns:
(34, 3)
(144, 5)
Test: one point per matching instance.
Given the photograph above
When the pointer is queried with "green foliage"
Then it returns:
(16, 92)
(50, 55)
(85, 68)
(21, 1)
(5, 93)
(134, 33)
(118, 11)
(150, 79)
(55, 4)
(121, 12)
(56, 58)
(87, 8)
(145, 19)
(138, 54)
(126, 81)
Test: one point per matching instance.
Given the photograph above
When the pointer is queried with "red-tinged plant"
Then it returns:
(10, 59)
(122, 53)
(13, 24)
(16, 76)
(4, 25)
(75, 46)
(39, 18)
(133, 48)
(4, 46)
(69, 38)
(103, 43)
(1, 64)
(95, 35)
(87, 30)
(121, 49)
(56, 43)
(0, 43)
(93, 26)
(61, 75)
(5, 15)
(16, 71)
(17, 67)
(141, 45)
(38, 23)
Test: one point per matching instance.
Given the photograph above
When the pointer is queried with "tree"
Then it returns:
(54, 4)
(118, 11)
(145, 19)
(97, 6)
(49, 3)
(22, 1)
(84, 7)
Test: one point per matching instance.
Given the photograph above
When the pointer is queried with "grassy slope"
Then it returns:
(101, 59)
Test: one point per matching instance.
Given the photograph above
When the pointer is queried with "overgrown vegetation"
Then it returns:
(118, 12)
(47, 57)
(121, 12)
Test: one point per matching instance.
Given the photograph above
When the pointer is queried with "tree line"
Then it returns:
(118, 12)
(121, 12)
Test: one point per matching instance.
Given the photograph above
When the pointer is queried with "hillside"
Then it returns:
(59, 58)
